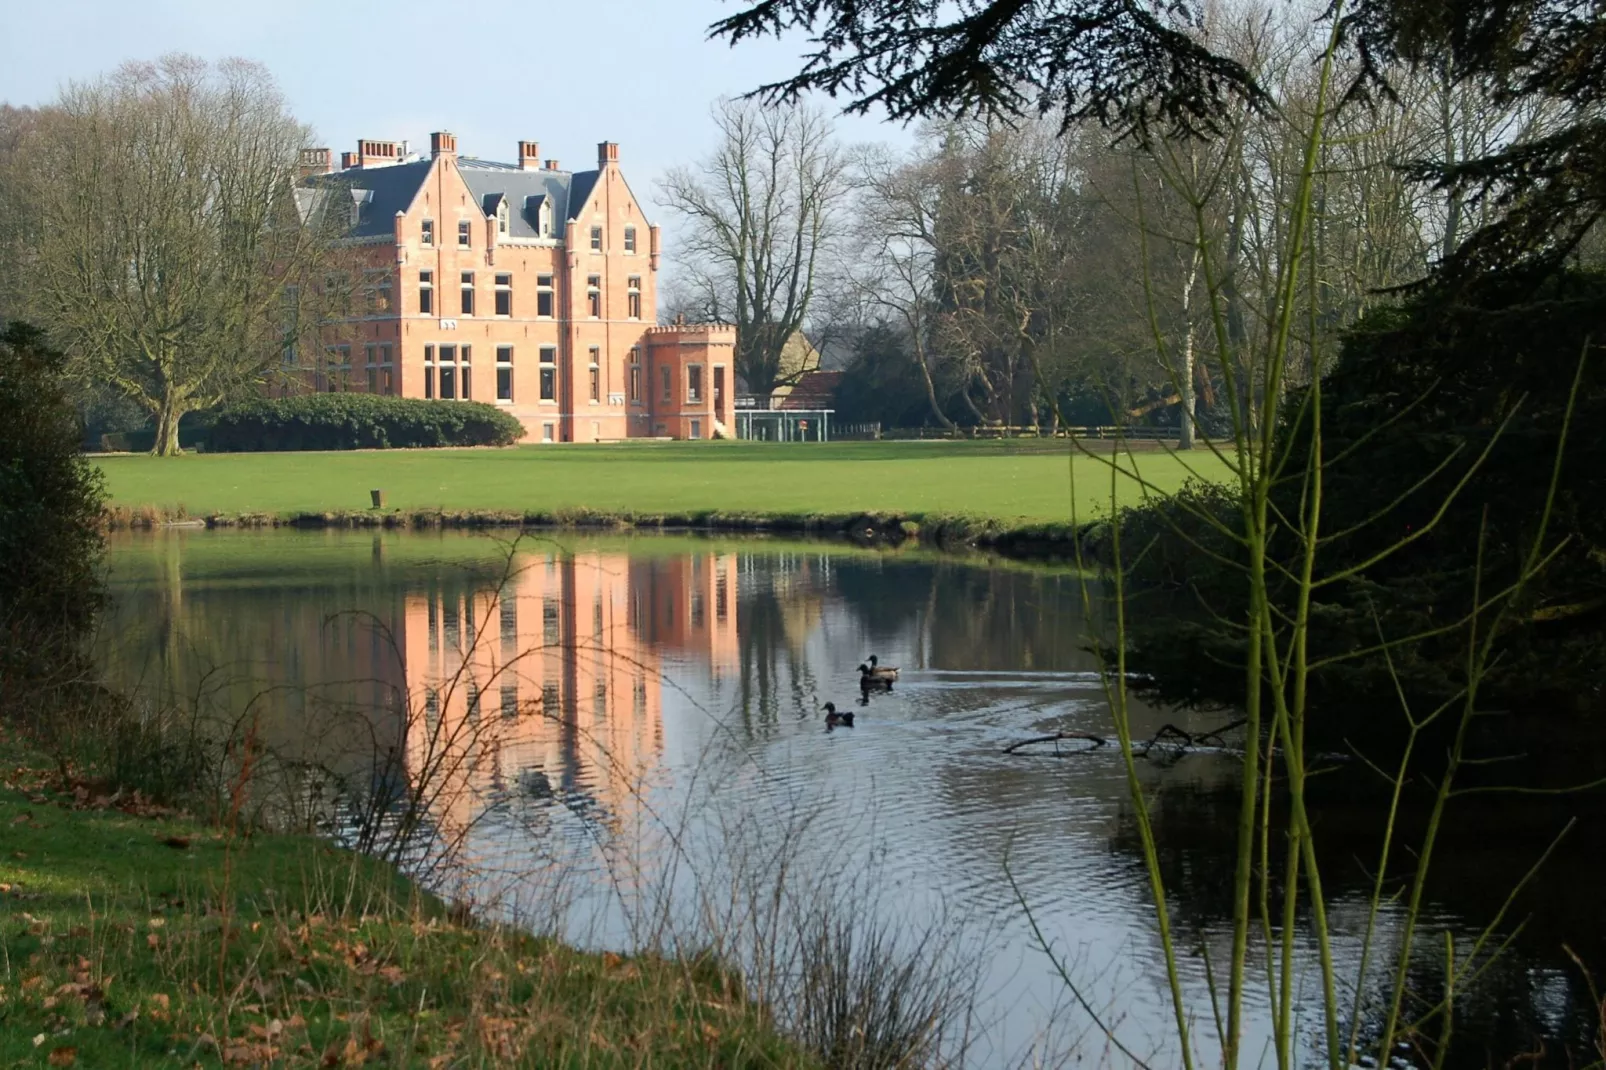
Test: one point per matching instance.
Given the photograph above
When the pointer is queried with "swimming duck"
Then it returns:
(873, 673)
(833, 718)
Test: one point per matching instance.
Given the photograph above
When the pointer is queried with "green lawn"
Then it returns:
(1011, 481)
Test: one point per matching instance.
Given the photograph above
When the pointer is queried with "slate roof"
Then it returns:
(814, 390)
(391, 189)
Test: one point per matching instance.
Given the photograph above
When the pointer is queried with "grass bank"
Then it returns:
(131, 935)
(1010, 493)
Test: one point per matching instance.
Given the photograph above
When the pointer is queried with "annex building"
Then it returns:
(516, 284)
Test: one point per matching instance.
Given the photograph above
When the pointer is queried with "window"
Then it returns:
(543, 296)
(426, 293)
(426, 235)
(429, 371)
(463, 234)
(669, 394)
(502, 217)
(387, 369)
(551, 622)
(596, 375)
(596, 239)
(694, 382)
(549, 374)
(384, 293)
(370, 368)
(464, 381)
(594, 295)
(504, 295)
(546, 432)
(468, 293)
(630, 239)
(634, 295)
(696, 432)
(504, 373)
(635, 375)
(447, 366)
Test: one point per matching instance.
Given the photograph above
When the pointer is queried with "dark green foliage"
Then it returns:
(1417, 387)
(359, 421)
(883, 384)
(1134, 66)
(50, 516)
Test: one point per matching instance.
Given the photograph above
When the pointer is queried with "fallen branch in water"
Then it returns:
(1097, 741)
(1168, 736)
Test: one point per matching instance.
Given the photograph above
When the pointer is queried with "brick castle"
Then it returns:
(517, 284)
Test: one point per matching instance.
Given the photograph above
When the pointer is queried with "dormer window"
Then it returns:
(502, 217)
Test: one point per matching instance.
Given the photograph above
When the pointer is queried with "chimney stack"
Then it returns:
(529, 155)
(315, 162)
(607, 153)
(348, 160)
(442, 143)
(552, 165)
(372, 153)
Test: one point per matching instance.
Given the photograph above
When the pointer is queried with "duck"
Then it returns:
(871, 674)
(833, 718)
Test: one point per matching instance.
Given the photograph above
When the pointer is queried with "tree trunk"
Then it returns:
(931, 392)
(167, 415)
(1185, 379)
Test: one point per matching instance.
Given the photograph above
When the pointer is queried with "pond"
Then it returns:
(621, 730)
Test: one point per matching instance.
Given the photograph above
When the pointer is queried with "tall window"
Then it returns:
(668, 383)
(426, 235)
(543, 296)
(370, 360)
(426, 293)
(630, 239)
(504, 295)
(468, 293)
(596, 239)
(429, 371)
(387, 369)
(635, 375)
(549, 373)
(464, 232)
(694, 382)
(594, 295)
(447, 367)
(502, 217)
(465, 383)
(383, 292)
(504, 373)
(596, 374)
(634, 296)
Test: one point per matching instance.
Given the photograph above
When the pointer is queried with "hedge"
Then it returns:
(359, 421)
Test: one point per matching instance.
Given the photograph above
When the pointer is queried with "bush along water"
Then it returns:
(359, 421)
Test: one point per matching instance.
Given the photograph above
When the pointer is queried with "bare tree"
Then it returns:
(762, 215)
(169, 255)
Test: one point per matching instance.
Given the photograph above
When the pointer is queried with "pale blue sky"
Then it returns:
(570, 74)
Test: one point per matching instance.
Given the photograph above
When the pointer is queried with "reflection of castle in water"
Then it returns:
(553, 685)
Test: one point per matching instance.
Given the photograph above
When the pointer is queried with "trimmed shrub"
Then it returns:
(359, 421)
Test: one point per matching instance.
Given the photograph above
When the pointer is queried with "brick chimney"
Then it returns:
(552, 165)
(607, 153)
(372, 153)
(529, 155)
(315, 162)
(348, 160)
(442, 143)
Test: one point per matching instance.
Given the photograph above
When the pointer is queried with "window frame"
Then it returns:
(594, 296)
(504, 375)
(503, 294)
(630, 241)
(596, 239)
(545, 297)
(466, 293)
(465, 234)
(548, 363)
(426, 232)
(426, 292)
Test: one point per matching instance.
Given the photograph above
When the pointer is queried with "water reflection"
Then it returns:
(601, 698)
